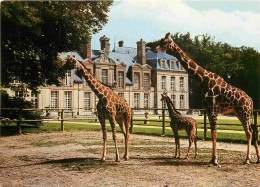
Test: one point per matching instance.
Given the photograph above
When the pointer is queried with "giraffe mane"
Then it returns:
(173, 105)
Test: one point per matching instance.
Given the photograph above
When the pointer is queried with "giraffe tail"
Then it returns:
(253, 128)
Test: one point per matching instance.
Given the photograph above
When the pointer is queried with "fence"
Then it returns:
(163, 121)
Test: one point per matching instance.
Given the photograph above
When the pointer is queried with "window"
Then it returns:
(163, 82)
(137, 80)
(19, 93)
(172, 83)
(177, 65)
(54, 99)
(136, 100)
(163, 104)
(121, 79)
(163, 64)
(146, 81)
(181, 83)
(181, 101)
(104, 76)
(171, 64)
(121, 94)
(146, 100)
(173, 99)
(87, 100)
(34, 99)
(67, 100)
(68, 80)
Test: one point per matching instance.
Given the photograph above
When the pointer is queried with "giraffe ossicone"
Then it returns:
(220, 97)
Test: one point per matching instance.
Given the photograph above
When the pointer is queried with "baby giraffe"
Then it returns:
(179, 122)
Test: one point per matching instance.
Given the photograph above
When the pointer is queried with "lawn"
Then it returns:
(152, 128)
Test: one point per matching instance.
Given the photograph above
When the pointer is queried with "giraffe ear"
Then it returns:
(167, 36)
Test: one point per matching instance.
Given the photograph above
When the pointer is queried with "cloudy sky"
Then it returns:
(236, 22)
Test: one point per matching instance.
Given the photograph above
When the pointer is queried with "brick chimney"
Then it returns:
(105, 45)
(121, 43)
(141, 59)
(87, 50)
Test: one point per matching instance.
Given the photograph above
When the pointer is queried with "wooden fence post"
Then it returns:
(163, 123)
(131, 124)
(19, 121)
(256, 123)
(62, 120)
(205, 125)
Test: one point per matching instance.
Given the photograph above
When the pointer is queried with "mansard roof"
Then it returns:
(73, 53)
(159, 55)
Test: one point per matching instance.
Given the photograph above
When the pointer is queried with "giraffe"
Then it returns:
(220, 97)
(179, 122)
(110, 106)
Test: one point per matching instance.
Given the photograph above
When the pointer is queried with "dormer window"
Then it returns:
(68, 79)
(177, 65)
(136, 80)
(163, 63)
(171, 64)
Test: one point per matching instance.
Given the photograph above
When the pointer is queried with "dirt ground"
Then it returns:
(73, 159)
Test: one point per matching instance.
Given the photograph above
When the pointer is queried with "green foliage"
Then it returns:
(14, 102)
(239, 66)
(34, 32)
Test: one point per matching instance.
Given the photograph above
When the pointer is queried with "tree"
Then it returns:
(33, 33)
(238, 66)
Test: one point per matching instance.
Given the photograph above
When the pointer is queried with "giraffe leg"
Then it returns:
(249, 139)
(127, 125)
(190, 144)
(104, 131)
(213, 124)
(254, 139)
(176, 142)
(196, 149)
(113, 127)
(248, 130)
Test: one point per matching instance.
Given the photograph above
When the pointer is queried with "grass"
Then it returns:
(92, 125)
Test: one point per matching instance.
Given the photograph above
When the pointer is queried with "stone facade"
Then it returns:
(138, 75)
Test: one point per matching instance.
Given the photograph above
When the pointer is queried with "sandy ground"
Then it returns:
(73, 159)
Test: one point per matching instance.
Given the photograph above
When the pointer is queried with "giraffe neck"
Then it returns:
(189, 65)
(172, 111)
(97, 87)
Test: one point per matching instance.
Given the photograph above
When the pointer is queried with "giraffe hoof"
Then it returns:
(186, 157)
(126, 157)
(214, 162)
(103, 159)
(117, 160)
(247, 162)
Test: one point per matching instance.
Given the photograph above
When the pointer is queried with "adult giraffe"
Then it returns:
(110, 106)
(220, 97)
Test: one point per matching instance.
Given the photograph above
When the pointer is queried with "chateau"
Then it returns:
(137, 74)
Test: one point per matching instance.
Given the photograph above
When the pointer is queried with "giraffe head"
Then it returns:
(164, 96)
(164, 43)
(73, 62)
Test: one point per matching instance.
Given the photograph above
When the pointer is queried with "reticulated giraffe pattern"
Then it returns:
(180, 122)
(220, 97)
(110, 106)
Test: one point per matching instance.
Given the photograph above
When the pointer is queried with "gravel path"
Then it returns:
(73, 159)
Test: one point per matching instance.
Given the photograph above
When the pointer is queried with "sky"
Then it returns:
(236, 22)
